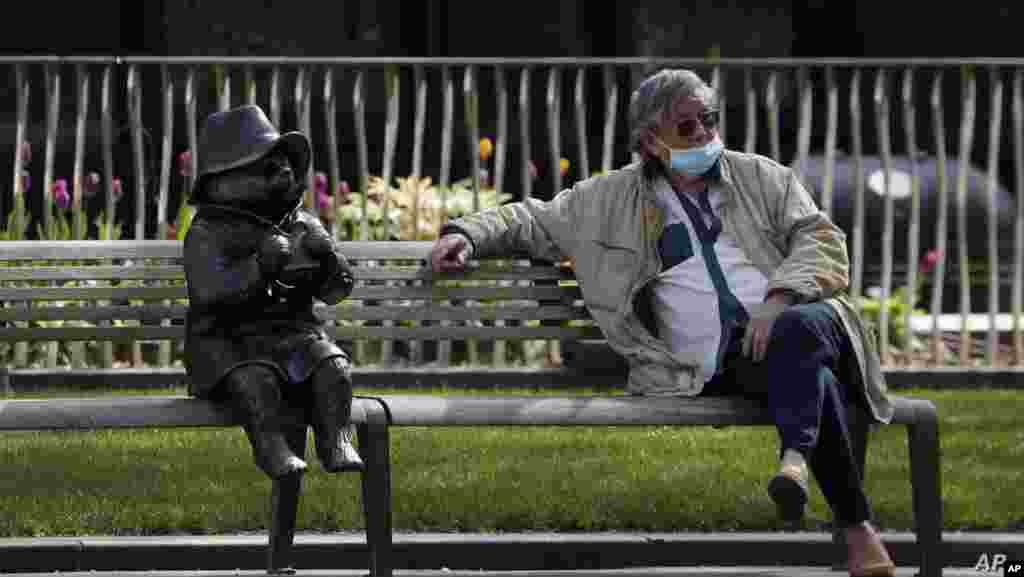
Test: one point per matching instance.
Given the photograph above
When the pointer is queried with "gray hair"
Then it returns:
(655, 95)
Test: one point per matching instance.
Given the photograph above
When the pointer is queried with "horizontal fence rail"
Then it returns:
(919, 160)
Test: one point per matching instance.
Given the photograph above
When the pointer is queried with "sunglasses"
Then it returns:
(708, 119)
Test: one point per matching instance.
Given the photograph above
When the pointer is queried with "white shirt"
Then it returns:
(685, 301)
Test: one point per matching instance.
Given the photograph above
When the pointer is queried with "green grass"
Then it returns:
(198, 481)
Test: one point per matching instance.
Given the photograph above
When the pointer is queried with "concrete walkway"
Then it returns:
(527, 554)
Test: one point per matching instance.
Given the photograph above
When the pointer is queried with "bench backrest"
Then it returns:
(121, 291)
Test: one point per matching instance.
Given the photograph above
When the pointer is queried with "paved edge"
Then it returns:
(495, 552)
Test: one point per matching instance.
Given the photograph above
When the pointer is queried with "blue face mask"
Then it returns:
(695, 161)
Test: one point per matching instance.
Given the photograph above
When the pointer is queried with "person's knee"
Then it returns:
(333, 372)
(252, 379)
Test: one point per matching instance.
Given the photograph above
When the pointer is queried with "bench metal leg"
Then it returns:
(923, 440)
(375, 449)
(284, 504)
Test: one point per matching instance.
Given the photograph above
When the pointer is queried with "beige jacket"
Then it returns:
(608, 227)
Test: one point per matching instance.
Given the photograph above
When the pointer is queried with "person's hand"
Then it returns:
(450, 253)
(759, 329)
(275, 252)
(318, 243)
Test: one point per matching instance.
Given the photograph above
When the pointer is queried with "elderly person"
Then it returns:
(713, 273)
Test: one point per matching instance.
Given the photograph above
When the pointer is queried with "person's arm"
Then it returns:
(217, 278)
(816, 263)
(542, 229)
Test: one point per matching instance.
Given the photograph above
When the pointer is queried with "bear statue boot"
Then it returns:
(255, 392)
(332, 398)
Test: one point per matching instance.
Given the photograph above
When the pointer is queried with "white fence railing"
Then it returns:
(872, 138)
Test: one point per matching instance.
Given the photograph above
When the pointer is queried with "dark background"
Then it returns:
(463, 28)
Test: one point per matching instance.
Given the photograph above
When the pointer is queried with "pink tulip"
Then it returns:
(931, 258)
(185, 163)
(118, 189)
(60, 194)
(324, 202)
(320, 183)
(534, 173)
(26, 153)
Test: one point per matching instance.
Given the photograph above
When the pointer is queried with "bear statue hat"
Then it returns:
(240, 136)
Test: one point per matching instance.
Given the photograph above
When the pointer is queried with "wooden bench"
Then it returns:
(397, 298)
(146, 307)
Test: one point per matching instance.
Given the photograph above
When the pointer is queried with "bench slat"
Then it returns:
(458, 410)
(114, 412)
(385, 272)
(80, 273)
(21, 250)
(155, 333)
(92, 293)
(359, 293)
(418, 313)
(147, 312)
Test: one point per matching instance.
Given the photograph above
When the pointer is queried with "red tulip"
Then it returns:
(931, 258)
(60, 194)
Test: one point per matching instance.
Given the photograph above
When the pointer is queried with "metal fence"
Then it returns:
(893, 112)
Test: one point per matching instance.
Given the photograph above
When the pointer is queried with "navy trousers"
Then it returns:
(807, 379)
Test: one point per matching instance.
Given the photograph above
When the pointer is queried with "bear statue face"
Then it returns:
(266, 187)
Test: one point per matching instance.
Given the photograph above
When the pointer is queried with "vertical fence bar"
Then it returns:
(857, 276)
(78, 221)
(166, 153)
(803, 146)
(52, 126)
(333, 164)
(941, 227)
(419, 127)
(611, 108)
(224, 91)
(831, 132)
(471, 103)
(19, 224)
(250, 85)
(1018, 237)
(392, 93)
(554, 107)
(78, 224)
(303, 94)
(20, 139)
(524, 132)
(134, 96)
(444, 346)
(881, 98)
(472, 116)
(914, 231)
(190, 128)
(969, 87)
(580, 97)
(359, 118)
(501, 132)
(275, 96)
(107, 133)
(718, 83)
(994, 133)
(750, 142)
(501, 143)
(771, 101)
